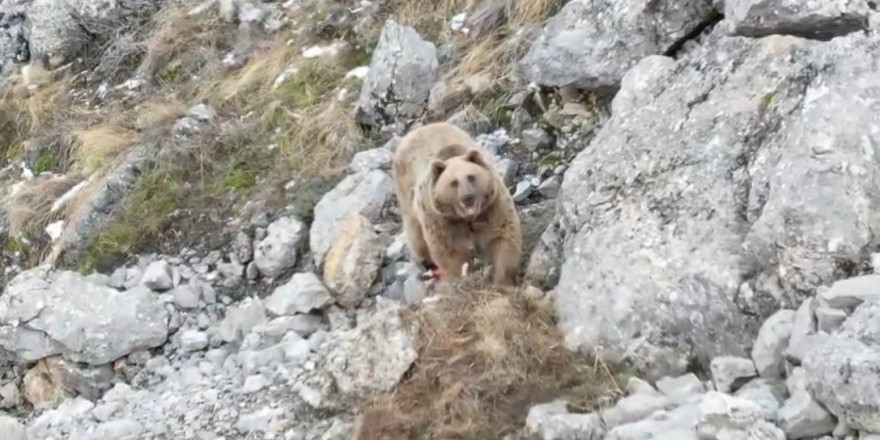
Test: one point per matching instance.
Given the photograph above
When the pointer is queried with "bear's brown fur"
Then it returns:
(452, 200)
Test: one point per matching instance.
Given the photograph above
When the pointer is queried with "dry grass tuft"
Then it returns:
(28, 210)
(484, 359)
(23, 112)
(181, 45)
(101, 145)
(495, 50)
(320, 139)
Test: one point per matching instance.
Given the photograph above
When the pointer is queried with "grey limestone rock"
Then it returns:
(402, 72)
(821, 20)
(591, 44)
(645, 196)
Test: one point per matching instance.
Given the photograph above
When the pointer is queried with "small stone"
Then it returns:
(252, 272)
(185, 297)
(763, 430)
(768, 393)
(842, 430)
(254, 383)
(681, 388)
(507, 168)
(106, 411)
(729, 373)
(302, 294)
(10, 396)
(849, 293)
(207, 292)
(636, 407)
(397, 250)
(523, 191)
(278, 251)
(804, 326)
(801, 416)
(552, 421)
(125, 429)
(259, 421)
(535, 139)
(241, 319)
(829, 319)
(191, 340)
(634, 385)
(414, 289)
(772, 340)
(243, 247)
(549, 188)
(721, 413)
(158, 277)
(117, 278)
(375, 159)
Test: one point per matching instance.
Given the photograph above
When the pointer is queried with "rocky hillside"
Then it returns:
(201, 239)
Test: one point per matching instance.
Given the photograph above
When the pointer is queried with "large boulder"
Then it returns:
(842, 371)
(726, 185)
(367, 193)
(592, 43)
(44, 312)
(402, 72)
(353, 261)
(374, 356)
(821, 20)
(59, 27)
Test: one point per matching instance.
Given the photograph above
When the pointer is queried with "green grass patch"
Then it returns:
(44, 162)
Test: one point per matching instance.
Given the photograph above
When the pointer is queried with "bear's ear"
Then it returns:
(437, 167)
(476, 157)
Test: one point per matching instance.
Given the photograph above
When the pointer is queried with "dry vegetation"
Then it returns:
(484, 359)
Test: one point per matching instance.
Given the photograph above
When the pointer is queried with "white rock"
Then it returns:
(801, 416)
(278, 251)
(682, 388)
(804, 326)
(552, 421)
(772, 340)
(729, 373)
(185, 297)
(722, 415)
(829, 319)
(192, 340)
(254, 383)
(158, 276)
(850, 292)
(302, 294)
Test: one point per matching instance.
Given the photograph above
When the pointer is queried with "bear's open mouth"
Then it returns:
(470, 207)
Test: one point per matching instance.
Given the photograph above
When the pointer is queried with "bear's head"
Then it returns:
(463, 184)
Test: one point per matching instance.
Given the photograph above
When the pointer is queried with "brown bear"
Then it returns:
(452, 200)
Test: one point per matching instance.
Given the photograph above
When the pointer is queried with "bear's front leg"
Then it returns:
(449, 250)
(505, 256)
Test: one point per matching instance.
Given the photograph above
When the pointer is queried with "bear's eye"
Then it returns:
(471, 178)
(454, 183)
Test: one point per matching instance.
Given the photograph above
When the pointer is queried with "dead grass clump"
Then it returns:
(23, 112)
(501, 40)
(321, 139)
(29, 209)
(484, 359)
(429, 17)
(182, 44)
(102, 144)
